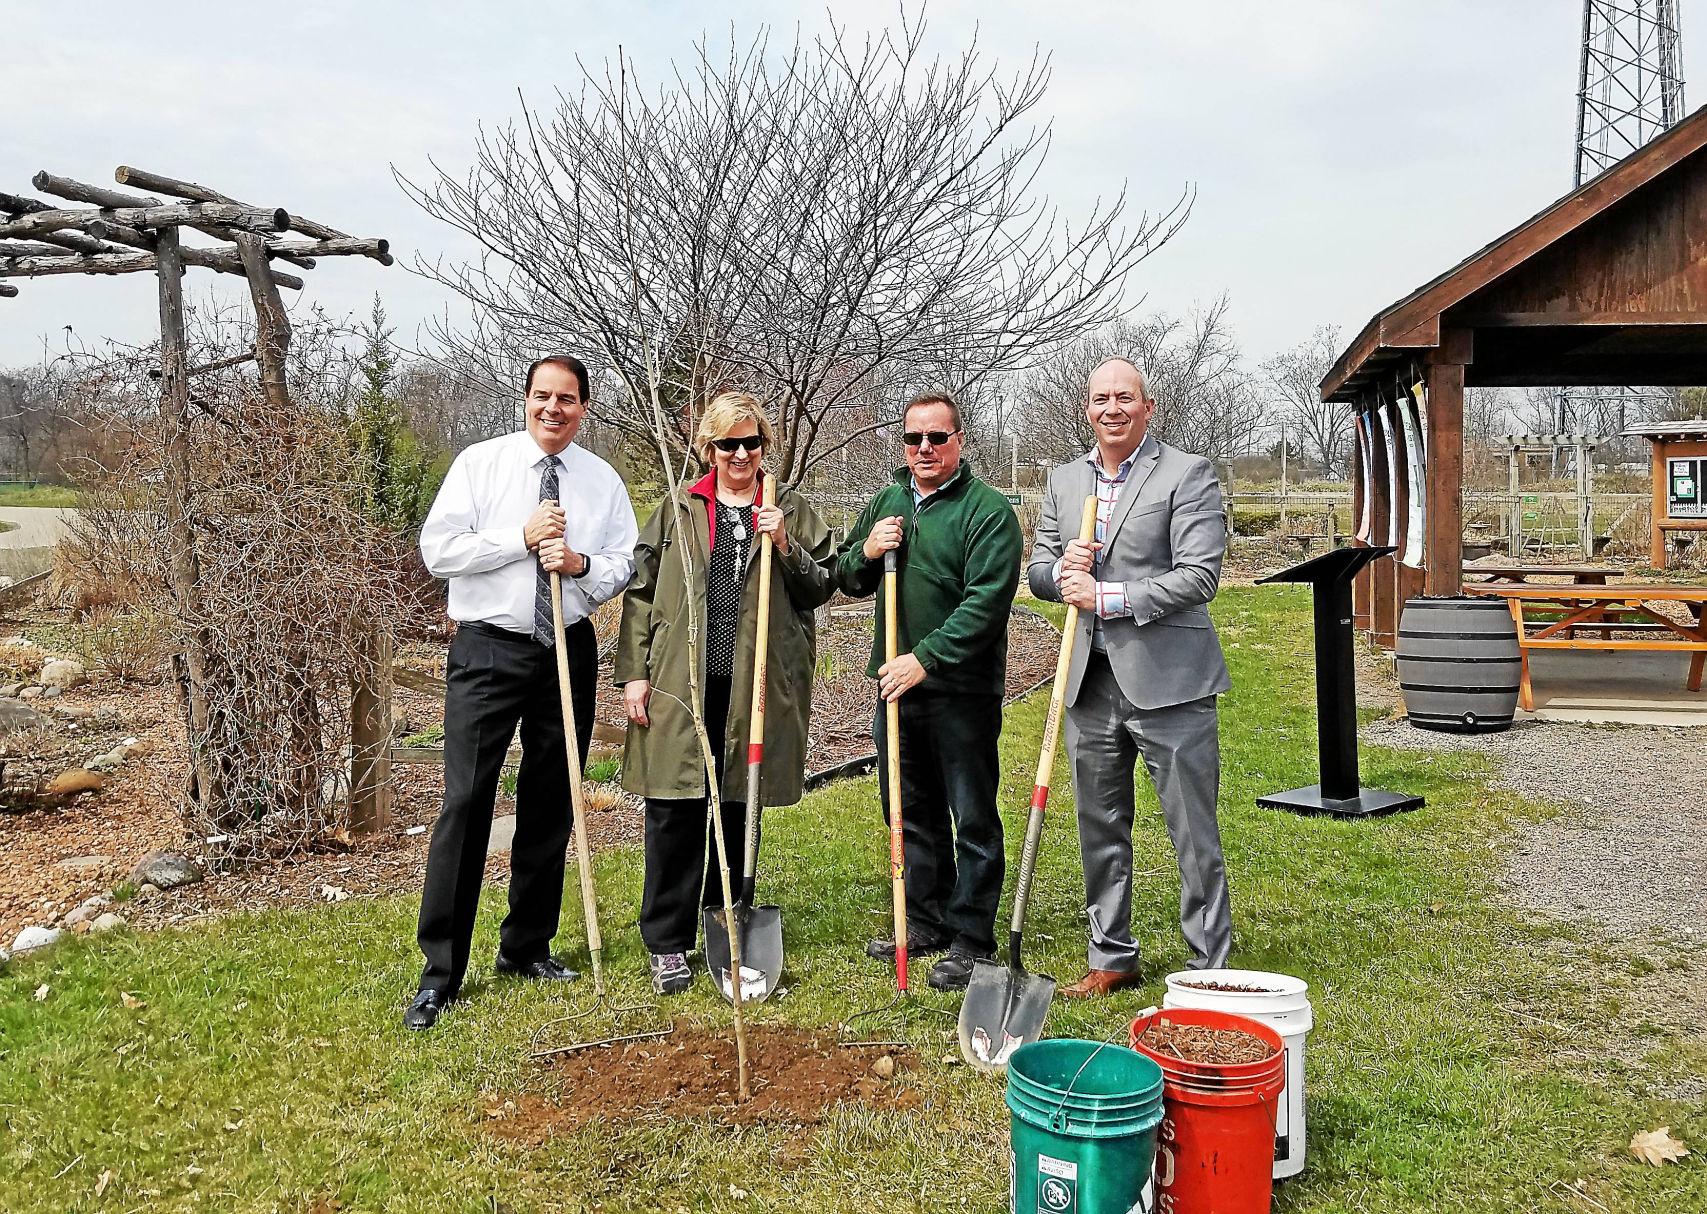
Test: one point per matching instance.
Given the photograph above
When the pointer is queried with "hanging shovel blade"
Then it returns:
(761, 951)
(1003, 1010)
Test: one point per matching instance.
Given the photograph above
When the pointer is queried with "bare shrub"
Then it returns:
(19, 663)
(130, 646)
(292, 585)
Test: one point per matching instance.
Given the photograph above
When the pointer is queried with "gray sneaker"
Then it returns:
(670, 973)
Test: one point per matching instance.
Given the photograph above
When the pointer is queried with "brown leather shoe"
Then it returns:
(1102, 982)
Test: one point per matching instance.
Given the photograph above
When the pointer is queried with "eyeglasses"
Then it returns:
(936, 438)
(751, 442)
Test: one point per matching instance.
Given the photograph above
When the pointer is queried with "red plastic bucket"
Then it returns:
(1215, 1151)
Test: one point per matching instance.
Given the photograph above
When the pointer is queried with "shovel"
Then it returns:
(760, 927)
(1005, 1005)
(583, 858)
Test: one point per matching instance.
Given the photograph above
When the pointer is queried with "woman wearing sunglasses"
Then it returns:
(724, 517)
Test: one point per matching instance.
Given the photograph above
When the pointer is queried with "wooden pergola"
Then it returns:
(123, 232)
(1606, 287)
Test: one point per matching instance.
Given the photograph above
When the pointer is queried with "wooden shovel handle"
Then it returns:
(756, 717)
(892, 759)
(1046, 757)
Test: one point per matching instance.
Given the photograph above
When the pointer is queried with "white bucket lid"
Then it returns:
(1276, 995)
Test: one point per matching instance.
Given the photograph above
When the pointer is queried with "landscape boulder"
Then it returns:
(32, 938)
(15, 716)
(9, 691)
(85, 866)
(76, 780)
(166, 870)
(106, 922)
(30, 693)
(64, 673)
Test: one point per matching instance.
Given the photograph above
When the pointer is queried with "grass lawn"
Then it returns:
(39, 495)
(1456, 1064)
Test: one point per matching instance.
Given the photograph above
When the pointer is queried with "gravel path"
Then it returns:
(1626, 853)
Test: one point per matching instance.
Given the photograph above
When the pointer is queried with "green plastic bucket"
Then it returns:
(1084, 1118)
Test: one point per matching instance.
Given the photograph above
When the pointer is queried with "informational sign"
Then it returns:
(1530, 513)
(1685, 496)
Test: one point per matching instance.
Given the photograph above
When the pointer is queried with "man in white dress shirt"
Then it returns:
(512, 511)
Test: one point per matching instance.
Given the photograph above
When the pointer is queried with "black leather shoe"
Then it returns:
(546, 970)
(917, 946)
(423, 1011)
(954, 971)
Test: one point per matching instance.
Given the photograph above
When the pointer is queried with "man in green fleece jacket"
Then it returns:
(959, 556)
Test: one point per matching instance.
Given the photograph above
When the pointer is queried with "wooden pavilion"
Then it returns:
(1606, 287)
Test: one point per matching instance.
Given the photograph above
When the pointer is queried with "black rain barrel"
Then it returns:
(1459, 664)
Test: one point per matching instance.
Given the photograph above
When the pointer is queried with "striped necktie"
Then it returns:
(544, 629)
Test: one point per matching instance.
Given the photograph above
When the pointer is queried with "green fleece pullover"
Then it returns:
(959, 567)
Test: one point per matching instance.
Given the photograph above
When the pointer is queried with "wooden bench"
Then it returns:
(1606, 609)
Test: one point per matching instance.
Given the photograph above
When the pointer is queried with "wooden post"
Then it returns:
(1514, 507)
(370, 736)
(1381, 586)
(272, 326)
(1444, 542)
(1657, 514)
(180, 530)
(1585, 496)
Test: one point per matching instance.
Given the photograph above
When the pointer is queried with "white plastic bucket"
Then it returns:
(1282, 1003)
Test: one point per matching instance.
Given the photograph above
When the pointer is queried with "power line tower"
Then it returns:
(1629, 90)
(1630, 83)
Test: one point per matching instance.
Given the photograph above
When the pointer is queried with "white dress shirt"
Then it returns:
(473, 534)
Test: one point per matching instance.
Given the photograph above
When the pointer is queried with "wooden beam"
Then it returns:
(25, 248)
(1578, 320)
(17, 204)
(77, 191)
(143, 180)
(1444, 542)
(259, 219)
(272, 326)
(379, 250)
(8, 291)
(124, 262)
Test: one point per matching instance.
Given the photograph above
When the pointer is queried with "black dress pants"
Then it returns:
(950, 824)
(681, 859)
(496, 678)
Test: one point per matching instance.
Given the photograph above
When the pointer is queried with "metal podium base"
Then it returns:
(1367, 803)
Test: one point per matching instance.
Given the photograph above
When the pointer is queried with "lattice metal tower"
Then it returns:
(1630, 83)
(1629, 90)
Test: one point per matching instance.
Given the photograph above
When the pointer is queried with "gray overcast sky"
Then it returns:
(1344, 150)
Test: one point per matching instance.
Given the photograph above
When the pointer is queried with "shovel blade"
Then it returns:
(761, 951)
(1003, 1010)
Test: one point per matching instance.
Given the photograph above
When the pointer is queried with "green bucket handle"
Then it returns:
(1058, 1119)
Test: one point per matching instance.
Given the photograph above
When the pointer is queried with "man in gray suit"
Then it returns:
(1146, 669)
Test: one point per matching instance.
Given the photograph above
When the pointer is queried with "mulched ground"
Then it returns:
(797, 1076)
(137, 812)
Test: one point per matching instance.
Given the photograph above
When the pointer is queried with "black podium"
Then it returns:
(1329, 577)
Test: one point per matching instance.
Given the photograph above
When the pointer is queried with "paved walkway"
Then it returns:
(26, 547)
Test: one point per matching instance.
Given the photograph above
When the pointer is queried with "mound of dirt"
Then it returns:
(798, 1077)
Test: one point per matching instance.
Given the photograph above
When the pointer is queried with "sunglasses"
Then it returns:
(936, 438)
(751, 442)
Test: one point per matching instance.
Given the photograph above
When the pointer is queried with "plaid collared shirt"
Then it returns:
(1110, 596)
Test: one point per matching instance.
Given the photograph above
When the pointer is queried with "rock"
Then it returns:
(77, 916)
(6, 583)
(77, 780)
(52, 693)
(884, 1067)
(19, 640)
(166, 870)
(146, 890)
(10, 691)
(30, 693)
(64, 673)
(15, 716)
(32, 938)
(84, 866)
(108, 761)
(4, 958)
(106, 922)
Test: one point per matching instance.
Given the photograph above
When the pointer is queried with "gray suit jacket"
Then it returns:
(1165, 542)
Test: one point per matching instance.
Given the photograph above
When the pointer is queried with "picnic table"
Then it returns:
(1582, 575)
(1561, 612)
